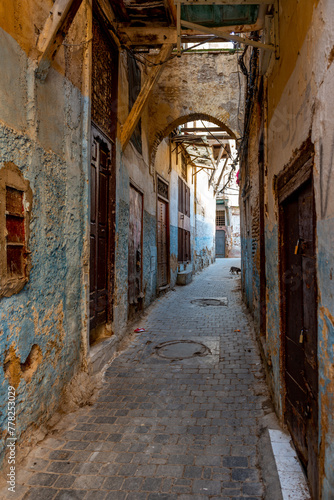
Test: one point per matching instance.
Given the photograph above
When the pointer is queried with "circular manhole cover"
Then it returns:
(181, 349)
(208, 302)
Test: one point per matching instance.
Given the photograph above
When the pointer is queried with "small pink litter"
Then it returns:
(138, 330)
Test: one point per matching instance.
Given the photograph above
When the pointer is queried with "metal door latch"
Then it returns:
(300, 246)
(301, 336)
(307, 411)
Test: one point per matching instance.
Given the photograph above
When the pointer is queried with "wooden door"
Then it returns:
(162, 243)
(135, 250)
(99, 188)
(300, 301)
(184, 254)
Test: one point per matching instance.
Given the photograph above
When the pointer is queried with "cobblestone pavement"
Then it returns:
(161, 428)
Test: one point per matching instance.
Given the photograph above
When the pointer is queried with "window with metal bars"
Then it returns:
(220, 218)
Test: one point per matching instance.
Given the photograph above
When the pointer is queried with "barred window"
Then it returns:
(220, 218)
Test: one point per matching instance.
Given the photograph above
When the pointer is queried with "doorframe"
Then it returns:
(296, 173)
(111, 220)
(97, 13)
(166, 200)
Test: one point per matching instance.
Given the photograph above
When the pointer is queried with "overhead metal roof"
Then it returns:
(220, 15)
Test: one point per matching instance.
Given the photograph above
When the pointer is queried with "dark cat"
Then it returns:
(235, 270)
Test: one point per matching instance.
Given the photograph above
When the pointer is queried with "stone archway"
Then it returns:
(198, 86)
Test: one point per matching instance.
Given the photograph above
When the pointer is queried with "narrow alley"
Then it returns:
(166, 246)
(165, 427)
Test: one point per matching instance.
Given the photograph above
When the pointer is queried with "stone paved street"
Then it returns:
(167, 428)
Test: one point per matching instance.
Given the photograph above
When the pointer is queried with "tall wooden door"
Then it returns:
(184, 251)
(162, 243)
(300, 301)
(103, 176)
(100, 179)
(135, 250)
(220, 243)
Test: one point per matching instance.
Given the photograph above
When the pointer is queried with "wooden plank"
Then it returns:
(137, 109)
(203, 129)
(53, 33)
(172, 10)
(224, 2)
(120, 10)
(147, 36)
(220, 154)
(226, 36)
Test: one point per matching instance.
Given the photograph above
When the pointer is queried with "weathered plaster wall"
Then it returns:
(235, 232)
(133, 168)
(205, 222)
(300, 89)
(43, 330)
(250, 266)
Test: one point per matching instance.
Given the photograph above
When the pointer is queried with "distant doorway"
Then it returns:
(162, 232)
(220, 243)
(162, 243)
(135, 251)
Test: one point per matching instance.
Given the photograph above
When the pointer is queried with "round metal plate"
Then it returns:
(181, 349)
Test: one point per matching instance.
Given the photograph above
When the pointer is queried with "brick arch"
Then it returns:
(195, 86)
(182, 120)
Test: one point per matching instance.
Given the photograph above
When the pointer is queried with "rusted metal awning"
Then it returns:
(217, 17)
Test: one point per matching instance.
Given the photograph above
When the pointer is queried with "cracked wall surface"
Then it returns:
(42, 133)
(299, 87)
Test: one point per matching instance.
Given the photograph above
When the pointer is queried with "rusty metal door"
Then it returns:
(162, 243)
(99, 188)
(220, 243)
(300, 301)
(135, 251)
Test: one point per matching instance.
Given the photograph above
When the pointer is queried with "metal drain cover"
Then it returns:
(210, 302)
(181, 349)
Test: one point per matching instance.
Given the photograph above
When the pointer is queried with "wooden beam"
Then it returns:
(221, 175)
(189, 138)
(203, 129)
(153, 36)
(53, 33)
(172, 9)
(120, 10)
(147, 36)
(146, 90)
(104, 9)
(226, 36)
(220, 154)
(224, 2)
